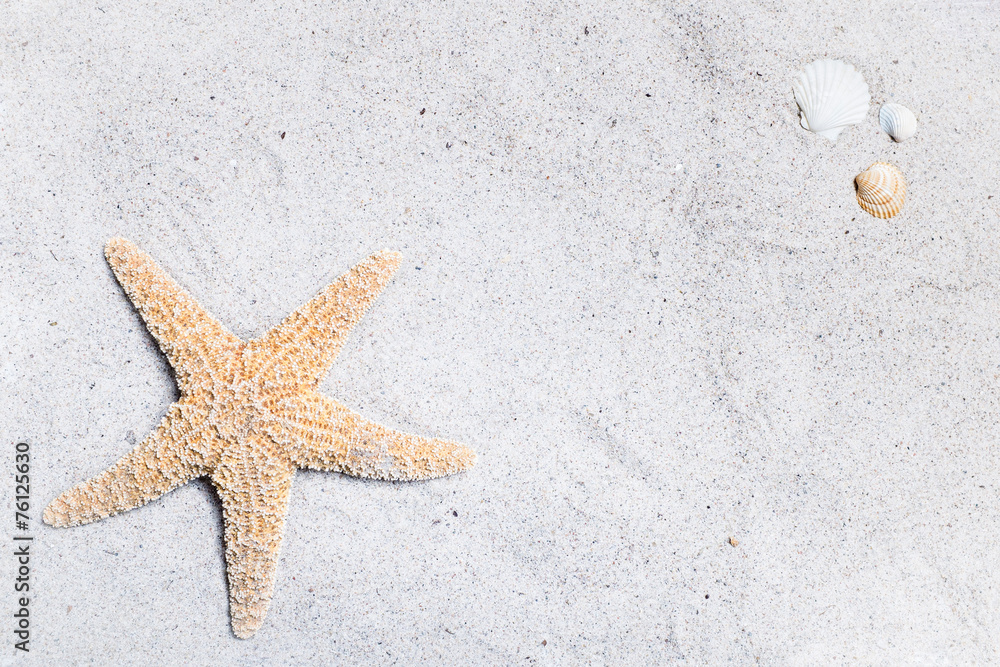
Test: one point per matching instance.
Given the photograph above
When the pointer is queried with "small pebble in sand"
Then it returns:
(733, 541)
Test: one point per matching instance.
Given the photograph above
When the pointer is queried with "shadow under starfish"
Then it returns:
(249, 415)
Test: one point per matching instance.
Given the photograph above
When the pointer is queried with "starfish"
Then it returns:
(249, 415)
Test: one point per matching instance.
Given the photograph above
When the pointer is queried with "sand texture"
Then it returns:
(722, 415)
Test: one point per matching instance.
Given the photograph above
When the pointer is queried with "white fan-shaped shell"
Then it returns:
(832, 96)
(897, 121)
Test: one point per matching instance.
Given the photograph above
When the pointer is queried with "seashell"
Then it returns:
(881, 189)
(832, 96)
(897, 121)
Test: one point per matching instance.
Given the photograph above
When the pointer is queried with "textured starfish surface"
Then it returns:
(249, 415)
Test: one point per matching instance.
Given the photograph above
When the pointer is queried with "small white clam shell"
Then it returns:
(897, 121)
(832, 96)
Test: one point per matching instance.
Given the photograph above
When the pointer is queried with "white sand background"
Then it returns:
(631, 281)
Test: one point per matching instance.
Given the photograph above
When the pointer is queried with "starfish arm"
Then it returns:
(320, 433)
(175, 453)
(193, 340)
(302, 348)
(254, 486)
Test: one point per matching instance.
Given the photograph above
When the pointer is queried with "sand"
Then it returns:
(631, 282)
